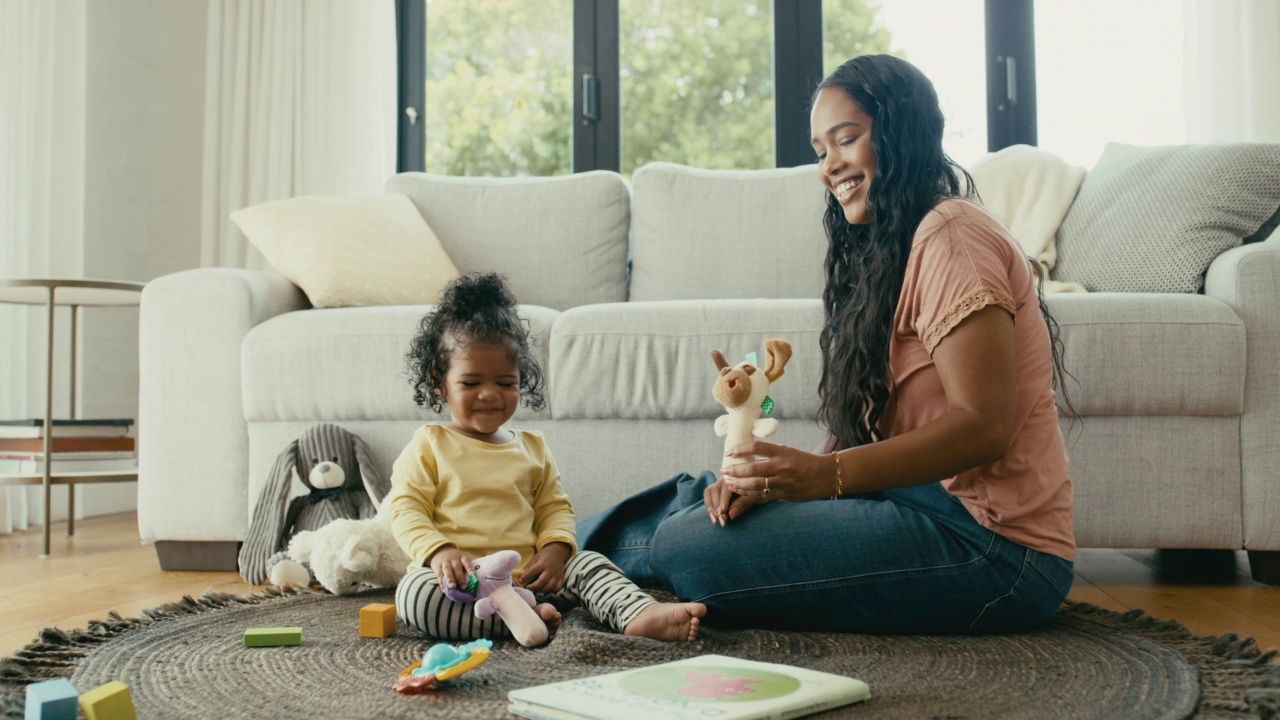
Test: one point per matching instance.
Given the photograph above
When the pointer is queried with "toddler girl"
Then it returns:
(471, 487)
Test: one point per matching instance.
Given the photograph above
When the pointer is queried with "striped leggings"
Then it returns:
(590, 581)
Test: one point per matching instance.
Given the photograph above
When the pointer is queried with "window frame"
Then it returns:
(797, 43)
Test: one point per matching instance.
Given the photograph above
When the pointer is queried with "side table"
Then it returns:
(76, 293)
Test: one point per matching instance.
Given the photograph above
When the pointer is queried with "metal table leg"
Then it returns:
(71, 488)
(48, 426)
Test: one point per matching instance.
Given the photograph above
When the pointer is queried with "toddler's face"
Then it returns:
(482, 388)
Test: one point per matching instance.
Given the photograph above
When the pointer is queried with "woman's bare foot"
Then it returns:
(673, 622)
(550, 615)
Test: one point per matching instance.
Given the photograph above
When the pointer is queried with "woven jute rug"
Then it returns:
(187, 660)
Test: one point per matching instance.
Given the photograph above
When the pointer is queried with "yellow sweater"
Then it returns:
(450, 489)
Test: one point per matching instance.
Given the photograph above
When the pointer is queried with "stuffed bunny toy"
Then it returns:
(337, 469)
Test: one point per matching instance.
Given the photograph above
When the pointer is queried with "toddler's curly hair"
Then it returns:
(474, 308)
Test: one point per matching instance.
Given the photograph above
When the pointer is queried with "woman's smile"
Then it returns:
(845, 190)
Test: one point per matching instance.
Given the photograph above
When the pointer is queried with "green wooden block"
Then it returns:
(272, 636)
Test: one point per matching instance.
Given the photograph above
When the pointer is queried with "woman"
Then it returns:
(940, 502)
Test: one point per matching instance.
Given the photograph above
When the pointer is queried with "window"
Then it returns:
(499, 87)
(1108, 72)
(514, 87)
(697, 83)
(944, 38)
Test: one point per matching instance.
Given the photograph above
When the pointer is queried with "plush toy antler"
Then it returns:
(493, 591)
(743, 390)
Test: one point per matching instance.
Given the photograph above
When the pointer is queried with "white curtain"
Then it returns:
(1232, 70)
(41, 197)
(300, 99)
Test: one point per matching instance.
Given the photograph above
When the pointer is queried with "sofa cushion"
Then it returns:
(561, 241)
(726, 234)
(1130, 354)
(1151, 219)
(1151, 354)
(350, 250)
(653, 359)
(346, 364)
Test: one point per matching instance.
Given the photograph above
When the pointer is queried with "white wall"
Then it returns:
(144, 109)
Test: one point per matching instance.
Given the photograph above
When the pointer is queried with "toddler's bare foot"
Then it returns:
(550, 615)
(673, 622)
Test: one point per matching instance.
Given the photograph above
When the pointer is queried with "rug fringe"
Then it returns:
(1236, 676)
(56, 652)
(1228, 662)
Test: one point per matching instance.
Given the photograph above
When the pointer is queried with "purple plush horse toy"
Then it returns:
(492, 590)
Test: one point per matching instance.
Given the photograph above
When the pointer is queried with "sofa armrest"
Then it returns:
(193, 442)
(1248, 279)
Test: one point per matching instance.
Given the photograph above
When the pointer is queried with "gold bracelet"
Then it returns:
(839, 480)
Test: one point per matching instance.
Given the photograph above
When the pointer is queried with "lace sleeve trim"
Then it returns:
(963, 308)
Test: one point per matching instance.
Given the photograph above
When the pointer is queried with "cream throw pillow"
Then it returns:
(349, 250)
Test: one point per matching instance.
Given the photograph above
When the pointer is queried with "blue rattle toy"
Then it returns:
(441, 663)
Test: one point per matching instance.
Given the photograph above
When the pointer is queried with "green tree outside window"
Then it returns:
(696, 81)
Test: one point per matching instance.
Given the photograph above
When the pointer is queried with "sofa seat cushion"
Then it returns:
(1151, 354)
(1130, 354)
(653, 359)
(346, 364)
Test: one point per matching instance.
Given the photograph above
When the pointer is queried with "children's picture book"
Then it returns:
(706, 686)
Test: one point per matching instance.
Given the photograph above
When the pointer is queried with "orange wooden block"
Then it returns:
(377, 620)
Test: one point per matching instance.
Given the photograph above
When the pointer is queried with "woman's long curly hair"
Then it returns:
(866, 263)
(474, 308)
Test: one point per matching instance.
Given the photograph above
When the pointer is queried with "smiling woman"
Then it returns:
(944, 476)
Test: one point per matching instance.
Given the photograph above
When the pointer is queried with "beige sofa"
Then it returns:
(628, 287)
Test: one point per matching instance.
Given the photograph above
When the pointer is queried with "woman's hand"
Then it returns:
(723, 505)
(545, 571)
(451, 565)
(779, 472)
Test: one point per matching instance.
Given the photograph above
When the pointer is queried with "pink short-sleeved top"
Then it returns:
(962, 260)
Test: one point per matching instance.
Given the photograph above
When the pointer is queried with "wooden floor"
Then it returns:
(106, 567)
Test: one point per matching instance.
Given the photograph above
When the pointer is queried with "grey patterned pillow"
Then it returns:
(1152, 219)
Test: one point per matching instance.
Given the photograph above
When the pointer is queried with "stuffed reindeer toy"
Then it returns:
(337, 469)
(744, 391)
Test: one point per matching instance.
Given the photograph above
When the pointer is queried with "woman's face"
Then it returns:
(846, 160)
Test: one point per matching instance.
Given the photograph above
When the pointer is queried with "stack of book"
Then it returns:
(78, 446)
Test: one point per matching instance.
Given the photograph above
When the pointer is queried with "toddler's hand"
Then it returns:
(545, 572)
(451, 565)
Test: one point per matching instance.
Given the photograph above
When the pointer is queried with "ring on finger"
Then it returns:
(766, 485)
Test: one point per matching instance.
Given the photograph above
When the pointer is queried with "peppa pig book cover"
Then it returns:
(706, 686)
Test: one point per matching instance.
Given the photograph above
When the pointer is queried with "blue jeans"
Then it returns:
(911, 560)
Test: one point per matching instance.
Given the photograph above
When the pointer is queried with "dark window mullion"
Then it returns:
(411, 64)
(1010, 47)
(797, 70)
(596, 143)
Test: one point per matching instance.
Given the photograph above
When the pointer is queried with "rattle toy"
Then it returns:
(743, 390)
(441, 663)
(490, 587)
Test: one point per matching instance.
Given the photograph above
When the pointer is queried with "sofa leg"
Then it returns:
(1196, 567)
(1265, 566)
(199, 556)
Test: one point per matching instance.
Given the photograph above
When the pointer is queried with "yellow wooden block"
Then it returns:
(377, 620)
(108, 702)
